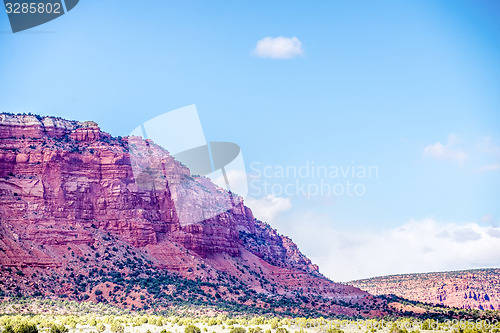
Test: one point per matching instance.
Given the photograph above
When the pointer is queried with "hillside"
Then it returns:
(83, 216)
(470, 289)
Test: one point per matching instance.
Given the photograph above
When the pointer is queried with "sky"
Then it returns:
(407, 90)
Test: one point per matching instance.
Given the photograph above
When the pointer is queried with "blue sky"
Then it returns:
(410, 87)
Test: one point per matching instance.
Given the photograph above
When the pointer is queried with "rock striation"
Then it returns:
(75, 199)
(471, 289)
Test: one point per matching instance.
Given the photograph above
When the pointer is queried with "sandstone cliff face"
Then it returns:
(474, 289)
(69, 190)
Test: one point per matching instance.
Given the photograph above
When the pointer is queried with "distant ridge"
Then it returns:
(466, 289)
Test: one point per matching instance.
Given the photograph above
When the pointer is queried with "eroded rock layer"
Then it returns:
(77, 204)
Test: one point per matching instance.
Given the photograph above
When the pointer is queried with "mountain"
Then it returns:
(469, 289)
(87, 216)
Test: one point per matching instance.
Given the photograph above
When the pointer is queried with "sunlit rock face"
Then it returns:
(472, 289)
(68, 185)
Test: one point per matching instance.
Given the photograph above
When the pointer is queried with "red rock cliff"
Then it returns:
(66, 184)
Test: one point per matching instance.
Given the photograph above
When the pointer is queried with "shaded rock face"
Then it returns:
(66, 184)
(473, 289)
(64, 172)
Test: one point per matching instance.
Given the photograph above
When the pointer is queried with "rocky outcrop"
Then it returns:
(69, 190)
(49, 175)
(30, 126)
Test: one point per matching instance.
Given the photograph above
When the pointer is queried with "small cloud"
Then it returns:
(446, 152)
(268, 207)
(278, 48)
(488, 167)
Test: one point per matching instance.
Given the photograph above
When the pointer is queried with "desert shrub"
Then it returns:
(396, 329)
(274, 324)
(21, 328)
(58, 328)
(238, 330)
(71, 322)
(281, 330)
(257, 321)
(8, 329)
(116, 327)
(100, 327)
(255, 330)
(192, 329)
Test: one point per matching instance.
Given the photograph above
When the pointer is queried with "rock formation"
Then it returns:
(77, 220)
(472, 289)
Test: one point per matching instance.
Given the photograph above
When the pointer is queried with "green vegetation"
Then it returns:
(117, 327)
(58, 328)
(100, 327)
(21, 328)
(192, 329)
(95, 318)
(238, 330)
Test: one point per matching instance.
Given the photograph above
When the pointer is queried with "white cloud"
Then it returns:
(447, 151)
(416, 246)
(488, 167)
(278, 48)
(267, 208)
